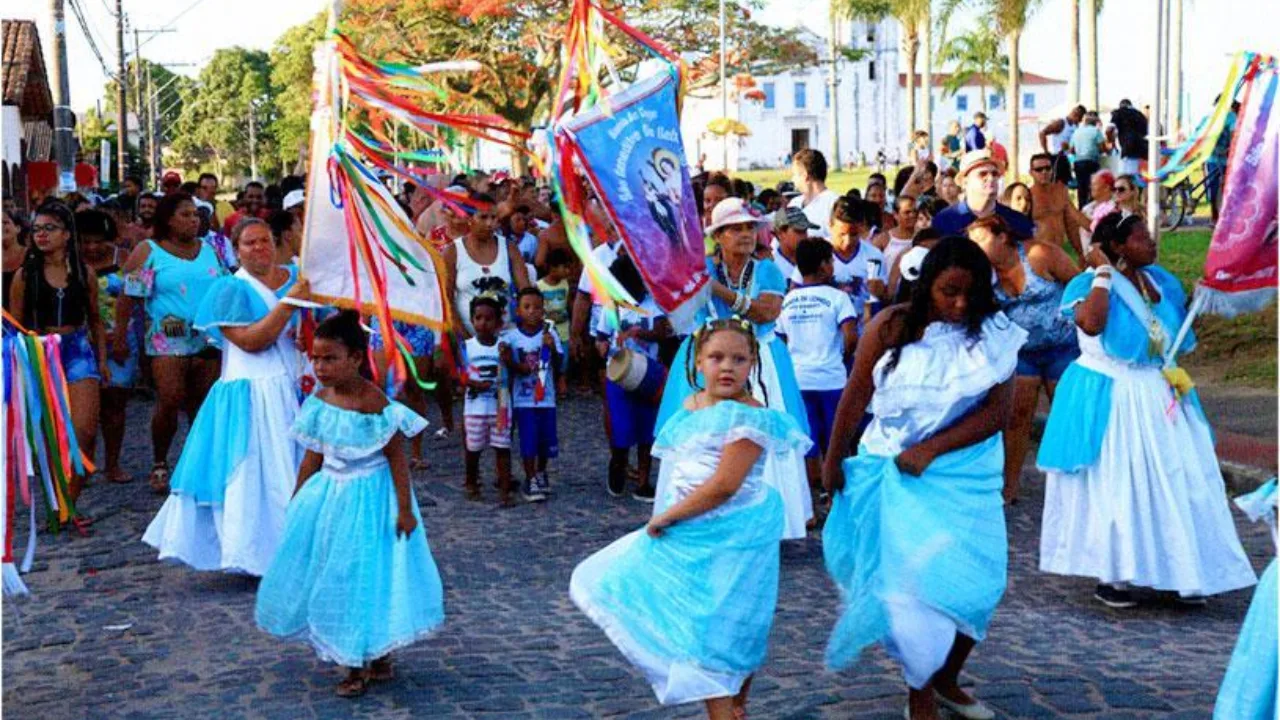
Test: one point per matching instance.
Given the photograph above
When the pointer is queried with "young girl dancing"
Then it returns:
(354, 576)
(690, 598)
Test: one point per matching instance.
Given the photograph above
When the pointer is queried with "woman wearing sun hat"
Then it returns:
(752, 289)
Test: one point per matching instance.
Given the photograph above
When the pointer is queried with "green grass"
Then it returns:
(1240, 351)
(839, 181)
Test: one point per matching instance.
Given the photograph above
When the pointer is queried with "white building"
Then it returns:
(871, 109)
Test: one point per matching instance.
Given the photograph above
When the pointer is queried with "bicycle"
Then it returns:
(1180, 201)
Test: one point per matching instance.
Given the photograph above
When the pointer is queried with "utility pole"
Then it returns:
(122, 112)
(137, 89)
(833, 83)
(1175, 72)
(154, 153)
(63, 135)
(724, 92)
(1153, 130)
(253, 146)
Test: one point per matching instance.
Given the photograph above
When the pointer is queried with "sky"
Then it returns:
(1213, 31)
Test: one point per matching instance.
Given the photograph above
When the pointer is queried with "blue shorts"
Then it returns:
(1048, 363)
(79, 361)
(820, 405)
(537, 429)
(421, 340)
(632, 417)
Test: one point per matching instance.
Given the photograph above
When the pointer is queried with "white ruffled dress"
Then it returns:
(918, 559)
(1133, 491)
(231, 486)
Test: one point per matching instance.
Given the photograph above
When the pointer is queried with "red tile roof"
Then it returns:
(26, 84)
(1028, 78)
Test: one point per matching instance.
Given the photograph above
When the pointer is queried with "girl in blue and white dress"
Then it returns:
(753, 289)
(230, 488)
(690, 598)
(1248, 692)
(354, 576)
(1134, 495)
(916, 536)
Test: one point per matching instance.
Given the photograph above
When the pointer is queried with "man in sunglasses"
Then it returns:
(1056, 217)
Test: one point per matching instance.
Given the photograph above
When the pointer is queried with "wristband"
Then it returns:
(1102, 281)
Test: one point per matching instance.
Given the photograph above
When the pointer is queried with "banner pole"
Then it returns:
(1196, 304)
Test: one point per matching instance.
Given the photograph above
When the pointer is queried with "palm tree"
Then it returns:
(975, 55)
(1010, 18)
(912, 15)
(1073, 75)
(1089, 10)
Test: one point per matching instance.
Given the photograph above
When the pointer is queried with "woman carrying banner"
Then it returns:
(230, 488)
(1134, 495)
(753, 289)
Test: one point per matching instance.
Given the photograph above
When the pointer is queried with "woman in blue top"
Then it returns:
(1249, 689)
(1029, 282)
(171, 274)
(1134, 495)
(753, 289)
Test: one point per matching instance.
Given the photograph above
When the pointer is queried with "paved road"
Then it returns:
(515, 647)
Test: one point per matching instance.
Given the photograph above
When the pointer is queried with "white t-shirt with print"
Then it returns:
(646, 317)
(852, 273)
(811, 321)
(523, 387)
(484, 363)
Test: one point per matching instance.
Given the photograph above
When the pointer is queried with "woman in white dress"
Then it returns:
(230, 489)
(1134, 495)
(916, 537)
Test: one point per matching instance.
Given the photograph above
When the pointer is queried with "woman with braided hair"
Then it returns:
(55, 293)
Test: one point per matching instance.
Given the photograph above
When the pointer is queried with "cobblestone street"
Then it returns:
(110, 632)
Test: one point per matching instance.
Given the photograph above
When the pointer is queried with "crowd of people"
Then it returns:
(863, 365)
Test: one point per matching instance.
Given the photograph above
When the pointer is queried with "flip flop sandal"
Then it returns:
(120, 479)
(159, 479)
(381, 670)
(353, 687)
(418, 464)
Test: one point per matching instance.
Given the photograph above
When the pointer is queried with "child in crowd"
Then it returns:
(631, 415)
(690, 598)
(343, 579)
(819, 324)
(533, 352)
(555, 289)
(486, 411)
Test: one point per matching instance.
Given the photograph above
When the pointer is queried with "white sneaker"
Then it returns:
(974, 711)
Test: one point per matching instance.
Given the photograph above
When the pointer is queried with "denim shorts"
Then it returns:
(1047, 363)
(79, 361)
(420, 340)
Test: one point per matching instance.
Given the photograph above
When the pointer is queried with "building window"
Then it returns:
(800, 97)
(826, 96)
(768, 96)
(962, 103)
(1028, 101)
(871, 70)
(994, 101)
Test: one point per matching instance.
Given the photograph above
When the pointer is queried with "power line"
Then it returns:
(88, 36)
(175, 19)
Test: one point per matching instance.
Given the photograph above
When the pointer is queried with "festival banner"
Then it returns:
(631, 151)
(1240, 270)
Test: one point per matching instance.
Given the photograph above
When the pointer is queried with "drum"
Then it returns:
(636, 373)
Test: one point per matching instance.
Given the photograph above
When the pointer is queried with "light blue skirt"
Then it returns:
(217, 443)
(691, 609)
(342, 581)
(917, 559)
(1248, 691)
